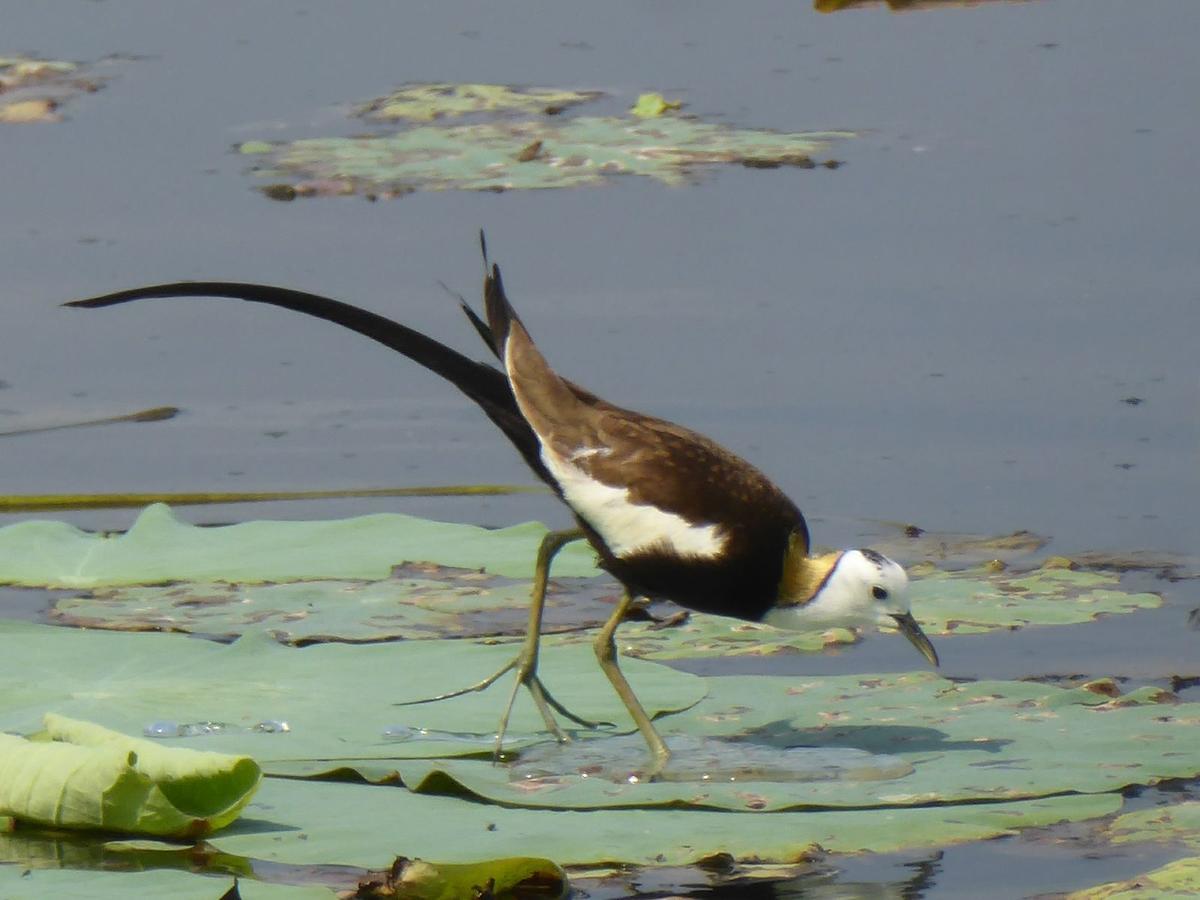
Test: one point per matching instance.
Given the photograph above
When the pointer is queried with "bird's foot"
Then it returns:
(525, 665)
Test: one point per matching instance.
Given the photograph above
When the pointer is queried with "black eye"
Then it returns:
(878, 593)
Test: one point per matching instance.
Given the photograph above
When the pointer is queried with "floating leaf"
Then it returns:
(39, 109)
(955, 551)
(87, 777)
(1180, 878)
(305, 822)
(963, 742)
(427, 102)
(490, 156)
(161, 548)
(1178, 823)
(978, 600)
(44, 502)
(438, 600)
(135, 682)
(417, 879)
(651, 106)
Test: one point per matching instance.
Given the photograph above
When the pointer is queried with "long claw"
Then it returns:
(469, 689)
(525, 662)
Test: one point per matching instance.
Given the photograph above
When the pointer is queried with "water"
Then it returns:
(943, 331)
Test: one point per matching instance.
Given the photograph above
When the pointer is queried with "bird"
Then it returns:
(669, 512)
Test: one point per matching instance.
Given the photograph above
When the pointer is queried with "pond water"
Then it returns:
(950, 330)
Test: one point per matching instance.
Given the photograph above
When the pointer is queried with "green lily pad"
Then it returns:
(1180, 878)
(985, 741)
(160, 548)
(304, 822)
(977, 600)
(457, 590)
(524, 155)
(431, 601)
(909, 544)
(964, 742)
(651, 106)
(1178, 823)
(428, 102)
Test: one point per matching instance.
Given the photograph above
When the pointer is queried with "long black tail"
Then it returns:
(482, 383)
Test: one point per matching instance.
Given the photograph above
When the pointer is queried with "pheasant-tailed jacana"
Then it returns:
(670, 513)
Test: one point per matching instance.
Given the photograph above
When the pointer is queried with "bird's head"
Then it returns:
(857, 587)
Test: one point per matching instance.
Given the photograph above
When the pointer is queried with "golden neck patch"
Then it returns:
(803, 575)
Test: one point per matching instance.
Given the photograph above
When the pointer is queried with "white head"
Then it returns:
(862, 588)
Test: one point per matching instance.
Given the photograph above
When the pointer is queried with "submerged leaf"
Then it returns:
(1180, 878)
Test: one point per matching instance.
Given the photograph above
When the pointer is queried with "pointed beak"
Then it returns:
(910, 629)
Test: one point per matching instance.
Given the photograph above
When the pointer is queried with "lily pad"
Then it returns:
(458, 590)
(651, 106)
(88, 777)
(910, 544)
(1178, 823)
(304, 822)
(431, 601)
(978, 600)
(1180, 878)
(524, 155)
(160, 548)
(33, 90)
(964, 742)
(428, 102)
(990, 741)
(272, 702)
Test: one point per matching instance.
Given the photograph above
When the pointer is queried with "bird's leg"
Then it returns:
(525, 662)
(606, 653)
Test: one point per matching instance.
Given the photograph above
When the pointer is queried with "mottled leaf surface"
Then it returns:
(428, 102)
(522, 154)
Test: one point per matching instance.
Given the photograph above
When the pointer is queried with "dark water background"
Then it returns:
(944, 331)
